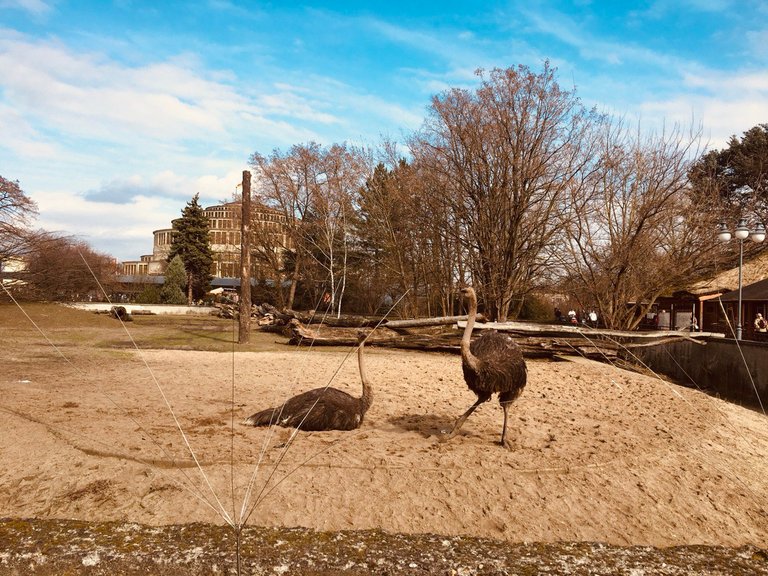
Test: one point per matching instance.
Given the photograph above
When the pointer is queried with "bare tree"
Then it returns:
(314, 188)
(60, 268)
(633, 233)
(17, 211)
(506, 155)
(344, 170)
(285, 181)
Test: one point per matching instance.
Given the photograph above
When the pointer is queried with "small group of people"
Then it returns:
(572, 317)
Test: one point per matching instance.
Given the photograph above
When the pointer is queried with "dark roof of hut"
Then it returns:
(757, 291)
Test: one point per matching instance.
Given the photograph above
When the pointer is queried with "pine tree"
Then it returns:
(175, 280)
(191, 242)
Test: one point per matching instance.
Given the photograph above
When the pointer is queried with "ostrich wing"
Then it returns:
(318, 409)
(501, 367)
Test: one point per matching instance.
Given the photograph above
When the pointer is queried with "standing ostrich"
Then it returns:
(492, 364)
(322, 408)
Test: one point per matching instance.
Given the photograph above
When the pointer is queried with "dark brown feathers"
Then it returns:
(318, 409)
(492, 364)
(501, 367)
(322, 408)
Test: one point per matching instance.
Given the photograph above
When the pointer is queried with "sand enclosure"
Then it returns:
(600, 454)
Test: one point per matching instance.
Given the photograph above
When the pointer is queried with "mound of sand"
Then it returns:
(599, 454)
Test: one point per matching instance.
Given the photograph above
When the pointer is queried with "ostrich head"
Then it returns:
(468, 292)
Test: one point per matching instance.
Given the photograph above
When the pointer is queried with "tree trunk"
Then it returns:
(244, 332)
(294, 282)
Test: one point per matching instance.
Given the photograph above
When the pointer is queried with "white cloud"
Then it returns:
(20, 135)
(288, 101)
(720, 118)
(590, 47)
(34, 7)
(89, 97)
(166, 108)
(734, 84)
(166, 185)
(120, 217)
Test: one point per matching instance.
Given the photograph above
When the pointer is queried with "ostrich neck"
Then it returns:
(468, 358)
(367, 396)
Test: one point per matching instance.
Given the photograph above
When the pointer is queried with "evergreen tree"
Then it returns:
(191, 242)
(175, 280)
(727, 172)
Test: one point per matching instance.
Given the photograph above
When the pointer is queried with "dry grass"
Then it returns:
(167, 332)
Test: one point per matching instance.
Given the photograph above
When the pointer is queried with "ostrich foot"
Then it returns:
(508, 444)
(446, 435)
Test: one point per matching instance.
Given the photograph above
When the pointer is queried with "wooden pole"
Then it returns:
(244, 333)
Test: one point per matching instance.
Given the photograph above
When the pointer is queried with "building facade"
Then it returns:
(268, 236)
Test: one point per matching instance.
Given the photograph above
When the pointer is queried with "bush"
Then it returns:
(149, 295)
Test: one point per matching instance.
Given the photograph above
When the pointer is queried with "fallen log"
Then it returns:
(352, 321)
(567, 330)
(448, 341)
(427, 322)
(344, 321)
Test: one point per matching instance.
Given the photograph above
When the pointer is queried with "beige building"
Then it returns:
(268, 233)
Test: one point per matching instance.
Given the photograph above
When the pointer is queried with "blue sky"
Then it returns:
(113, 114)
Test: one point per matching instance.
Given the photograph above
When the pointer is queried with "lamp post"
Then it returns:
(742, 232)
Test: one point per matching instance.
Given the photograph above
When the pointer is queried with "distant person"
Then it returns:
(593, 318)
(558, 315)
(760, 323)
(694, 324)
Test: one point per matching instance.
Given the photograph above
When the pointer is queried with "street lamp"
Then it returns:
(742, 232)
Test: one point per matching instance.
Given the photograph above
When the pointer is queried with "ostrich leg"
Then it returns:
(505, 399)
(461, 419)
(504, 407)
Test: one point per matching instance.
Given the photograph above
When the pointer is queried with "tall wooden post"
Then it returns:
(244, 334)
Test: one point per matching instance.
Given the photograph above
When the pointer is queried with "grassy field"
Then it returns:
(163, 331)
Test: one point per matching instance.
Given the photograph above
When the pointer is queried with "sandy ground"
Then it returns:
(599, 454)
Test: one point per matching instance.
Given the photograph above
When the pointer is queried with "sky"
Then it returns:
(115, 113)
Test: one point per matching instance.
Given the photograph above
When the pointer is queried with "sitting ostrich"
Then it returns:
(492, 364)
(322, 408)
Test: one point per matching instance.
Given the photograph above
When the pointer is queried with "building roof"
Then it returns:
(758, 291)
(752, 271)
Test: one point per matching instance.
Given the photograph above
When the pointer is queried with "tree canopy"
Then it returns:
(314, 188)
(502, 160)
(739, 167)
(17, 211)
(60, 268)
(514, 187)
